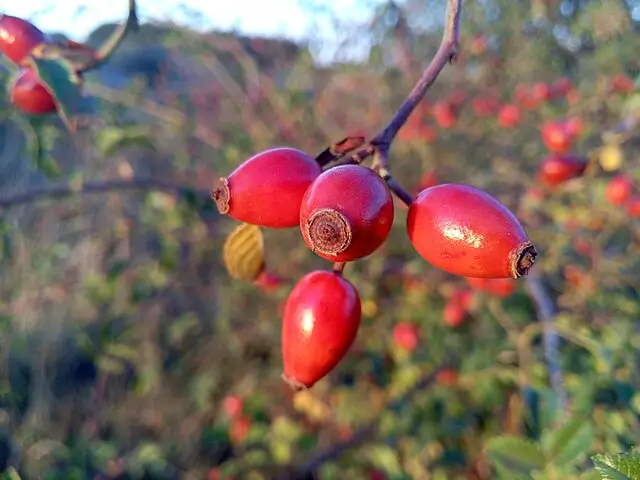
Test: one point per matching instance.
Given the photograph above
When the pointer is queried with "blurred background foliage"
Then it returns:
(128, 353)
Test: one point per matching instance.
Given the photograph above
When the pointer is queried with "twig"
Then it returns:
(365, 433)
(447, 53)
(550, 339)
(100, 186)
(114, 41)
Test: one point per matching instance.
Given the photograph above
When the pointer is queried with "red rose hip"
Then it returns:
(346, 213)
(267, 189)
(619, 190)
(321, 320)
(557, 169)
(465, 231)
(18, 37)
(29, 95)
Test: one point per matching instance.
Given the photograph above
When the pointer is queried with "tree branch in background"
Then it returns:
(550, 339)
(100, 186)
(365, 433)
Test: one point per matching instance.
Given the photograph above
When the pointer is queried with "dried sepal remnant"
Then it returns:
(329, 232)
(523, 259)
(221, 196)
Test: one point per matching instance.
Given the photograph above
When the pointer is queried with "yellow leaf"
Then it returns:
(611, 157)
(243, 252)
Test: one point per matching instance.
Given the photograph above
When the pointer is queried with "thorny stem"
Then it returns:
(114, 41)
(69, 189)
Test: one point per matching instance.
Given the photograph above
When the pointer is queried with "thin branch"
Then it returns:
(114, 41)
(551, 340)
(365, 433)
(100, 186)
(447, 53)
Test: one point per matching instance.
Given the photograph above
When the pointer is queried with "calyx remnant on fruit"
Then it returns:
(329, 231)
(522, 259)
(221, 196)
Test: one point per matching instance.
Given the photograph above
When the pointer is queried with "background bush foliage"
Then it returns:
(121, 333)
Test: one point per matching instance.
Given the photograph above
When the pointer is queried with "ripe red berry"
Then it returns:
(541, 92)
(465, 231)
(498, 287)
(267, 188)
(233, 405)
(454, 314)
(561, 86)
(30, 95)
(239, 429)
(557, 169)
(321, 321)
(556, 137)
(622, 83)
(509, 116)
(447, 376)
(18, 37)
(346, 213)
(633, 207)
(406, 336)
(619, 190)
(445, 114)
(267, 281)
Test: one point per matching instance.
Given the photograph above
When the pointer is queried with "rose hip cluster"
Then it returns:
(345, 213)
(18, 38)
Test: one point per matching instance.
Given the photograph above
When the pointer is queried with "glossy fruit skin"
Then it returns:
(406, 336)
(346, 213)
(18, 37)
(619, 190)
(321, 320)
(267, 189)
(557, 169)
(465, 231)
(556, 137)
(29, 95)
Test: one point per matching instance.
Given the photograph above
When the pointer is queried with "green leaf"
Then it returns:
(514, 455)
(60, 79)
(112, 139)
(622, 466)
(566, 444)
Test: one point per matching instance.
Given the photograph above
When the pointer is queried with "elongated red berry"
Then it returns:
(465, 231)
(346, 213)
(267, 189)
(18, 37)
(321, 321)
(29, 95)
(557, 169)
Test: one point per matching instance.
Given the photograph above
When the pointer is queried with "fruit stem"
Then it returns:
(109, 47)
(395, 187)
(338, 267)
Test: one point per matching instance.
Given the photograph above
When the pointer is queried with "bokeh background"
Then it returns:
(128, 352)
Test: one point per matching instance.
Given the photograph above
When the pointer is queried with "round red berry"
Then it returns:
(619, 190)
(18, 37)
(346, 213)
(557, 169)
(30, 95)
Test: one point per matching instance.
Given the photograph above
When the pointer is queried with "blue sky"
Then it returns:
(77, 18)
